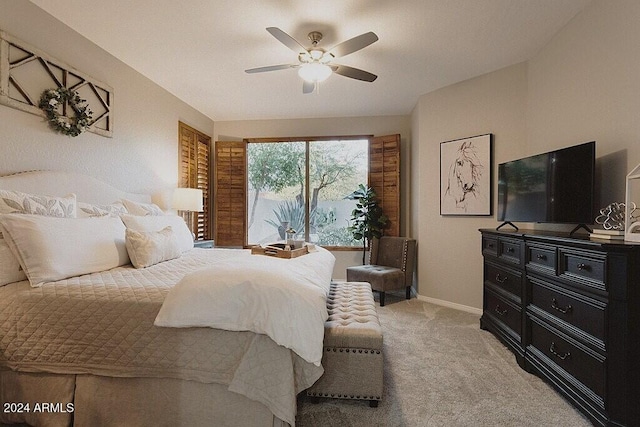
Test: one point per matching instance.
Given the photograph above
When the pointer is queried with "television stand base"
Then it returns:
(507, 223)
(578, 227)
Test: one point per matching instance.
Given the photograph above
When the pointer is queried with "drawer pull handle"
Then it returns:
(555, 306)
(582, 266)
(490, 245)
(500, 312)
(510, 250)
(562, 356)
(541, 257)
(501, 279)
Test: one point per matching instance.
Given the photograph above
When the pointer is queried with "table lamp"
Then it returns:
(188, 200)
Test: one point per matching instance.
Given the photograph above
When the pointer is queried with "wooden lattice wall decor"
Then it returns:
(26, 72)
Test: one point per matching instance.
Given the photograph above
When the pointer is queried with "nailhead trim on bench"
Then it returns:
(344, 396)
(352, 350)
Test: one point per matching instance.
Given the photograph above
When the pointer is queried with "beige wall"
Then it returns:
(235, 130)
(449, 261)
(582, 86)
(141, 156)
(585, 85)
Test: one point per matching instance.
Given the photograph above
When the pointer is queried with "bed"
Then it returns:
(87, 347)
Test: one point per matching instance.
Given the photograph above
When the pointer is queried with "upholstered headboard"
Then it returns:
(57, 183)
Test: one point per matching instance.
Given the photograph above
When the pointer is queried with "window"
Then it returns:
(194, 173)
(303, 185)
(262, 187)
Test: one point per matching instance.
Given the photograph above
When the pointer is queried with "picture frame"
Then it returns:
(466, 169)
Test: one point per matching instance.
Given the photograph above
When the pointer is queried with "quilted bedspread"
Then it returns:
(102, 324)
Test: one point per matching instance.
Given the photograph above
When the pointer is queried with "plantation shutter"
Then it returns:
(384, 177)
(203, 229)
(230, 193)
(195, 147)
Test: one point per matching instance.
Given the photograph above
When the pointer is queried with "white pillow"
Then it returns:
(10, 269)
(89, 210)
(18, 202)
(147, 248)
(157, 223)
(142, 209)
(50, 248)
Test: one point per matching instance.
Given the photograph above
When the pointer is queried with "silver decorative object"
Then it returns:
(612, 216)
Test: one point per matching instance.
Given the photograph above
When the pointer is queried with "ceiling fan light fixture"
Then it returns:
(314, 72)
(316, 54)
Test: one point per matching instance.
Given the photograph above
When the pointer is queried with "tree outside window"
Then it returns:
(278, 177)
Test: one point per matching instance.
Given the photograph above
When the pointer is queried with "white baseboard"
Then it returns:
(449, 304)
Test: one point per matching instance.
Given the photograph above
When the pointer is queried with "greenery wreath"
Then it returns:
(72, 126)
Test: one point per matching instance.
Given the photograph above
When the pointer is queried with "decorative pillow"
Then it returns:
(18, 202)
(50, 248)
(157, 223)
(147, 248)
(10, 270)
(88, 210)
(142, 209)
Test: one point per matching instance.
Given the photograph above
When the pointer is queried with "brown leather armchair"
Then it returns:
(391, 265)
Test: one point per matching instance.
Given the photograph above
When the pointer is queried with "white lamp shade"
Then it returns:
(187, 199)
(314, 72)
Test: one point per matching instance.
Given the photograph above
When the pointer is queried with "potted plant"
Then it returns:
(367, 219)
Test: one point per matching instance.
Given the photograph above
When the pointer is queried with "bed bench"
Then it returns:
(352, 357)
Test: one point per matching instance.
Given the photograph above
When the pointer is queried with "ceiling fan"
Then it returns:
(315, 64)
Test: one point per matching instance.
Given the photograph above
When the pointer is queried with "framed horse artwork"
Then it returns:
(465, 176)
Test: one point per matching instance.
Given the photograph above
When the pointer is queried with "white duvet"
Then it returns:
(282, 298)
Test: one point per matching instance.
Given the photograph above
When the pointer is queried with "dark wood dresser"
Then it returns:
(569, 309)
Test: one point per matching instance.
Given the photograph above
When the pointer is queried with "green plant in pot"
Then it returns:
(367, 219)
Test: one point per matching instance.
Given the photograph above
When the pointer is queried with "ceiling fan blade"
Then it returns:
(308, 87)
(270, 68)
(287, 40)
(353, 45)
(354, 73)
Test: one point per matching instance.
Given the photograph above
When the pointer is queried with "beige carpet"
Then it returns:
(442, 370)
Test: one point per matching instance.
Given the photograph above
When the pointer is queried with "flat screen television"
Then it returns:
(553, 187)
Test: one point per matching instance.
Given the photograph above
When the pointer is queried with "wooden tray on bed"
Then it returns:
(277, 250)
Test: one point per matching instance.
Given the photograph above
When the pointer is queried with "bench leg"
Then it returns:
(408, 292)
(373, 403)
(381, 299)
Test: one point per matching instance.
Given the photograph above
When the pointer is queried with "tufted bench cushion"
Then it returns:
(352, 359)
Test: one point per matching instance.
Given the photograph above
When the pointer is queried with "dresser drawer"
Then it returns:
(509, 280)
(586, 268)
(586, 314)
(490, 246)
(503, 310)
(578, 361)
(510, 251)
(541, 258)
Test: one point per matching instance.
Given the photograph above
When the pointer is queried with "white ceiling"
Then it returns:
(198, 49)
